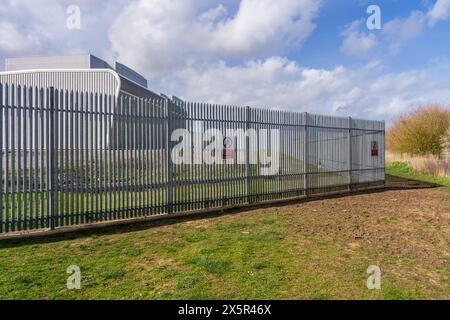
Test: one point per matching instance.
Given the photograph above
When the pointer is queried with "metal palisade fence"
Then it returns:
(70, 158)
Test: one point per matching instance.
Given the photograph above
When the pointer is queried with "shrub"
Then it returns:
(420, 132)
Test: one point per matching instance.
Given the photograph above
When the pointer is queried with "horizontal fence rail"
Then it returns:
(70, 158)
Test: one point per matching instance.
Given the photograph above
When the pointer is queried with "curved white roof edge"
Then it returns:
(112, 72)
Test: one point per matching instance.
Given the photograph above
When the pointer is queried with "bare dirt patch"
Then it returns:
(405, 228)
(404, 221)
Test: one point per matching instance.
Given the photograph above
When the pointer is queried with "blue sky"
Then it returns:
(322, 49)
(302, 55)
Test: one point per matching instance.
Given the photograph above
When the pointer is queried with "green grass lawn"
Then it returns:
(313, 250)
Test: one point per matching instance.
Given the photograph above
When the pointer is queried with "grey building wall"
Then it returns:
(82, 61)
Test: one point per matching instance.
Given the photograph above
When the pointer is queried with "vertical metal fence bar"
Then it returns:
(169, 165)
(122, 138)
(98, 157)
(2, 108)
(76, 168)
(36, 155)
(13, 158)
(384, 148)
(66, 158)
(157, 170)
(104, 158)
(144, 169)
(125, 155)
(136, 156)
(19, 190)
(113, 152)
(94, 158)
(92, 101)
(7, 151)
(52, 210)
(137, 152)
(203, 175)
(47, 157)
(81, 151)
(109, 183)
(135, 196)
(247, 155)
(141, 119)
(102, 164)
(27, 216)
(152, 146)
(105, 162)
(116, 119)
(154, 155)
(150, 139)
(143, 139)
(60, 166)
(306, 156)
(350, 153)
(129, 157)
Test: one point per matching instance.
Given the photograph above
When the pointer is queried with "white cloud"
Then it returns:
(207, 53)
(169, 34)
(439, 12)
(399, 31)
(213, 14)
(12, 40)
(211, 51)
(277, 82)
(265, 25)
(24, 28)
(396, 32)
(357, 42)
(402, 30)
(39, 26)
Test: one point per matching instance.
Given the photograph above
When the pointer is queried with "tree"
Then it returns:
(420, 132)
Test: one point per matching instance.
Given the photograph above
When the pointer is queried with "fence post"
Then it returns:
(247, 155)
(306, 157)
(1, 157)
(384, 153)
(169, 171)
(350, 166)
(52, 209)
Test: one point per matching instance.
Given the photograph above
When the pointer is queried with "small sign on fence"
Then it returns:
(228, 148)
(374, 148)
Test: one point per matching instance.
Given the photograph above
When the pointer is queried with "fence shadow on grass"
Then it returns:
(401, 183)
(392, 183)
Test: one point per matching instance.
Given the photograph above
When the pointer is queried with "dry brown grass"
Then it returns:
(429, 164)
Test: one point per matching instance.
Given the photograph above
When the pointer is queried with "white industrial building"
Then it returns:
(83, 73)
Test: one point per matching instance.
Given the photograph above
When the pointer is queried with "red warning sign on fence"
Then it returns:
(374, 148)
